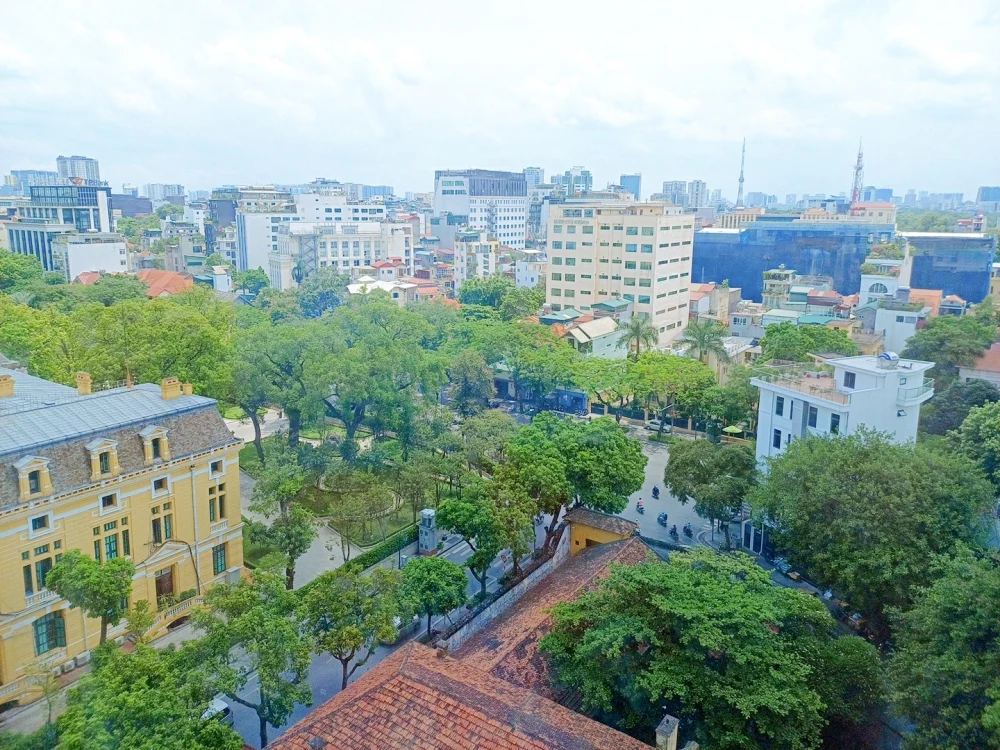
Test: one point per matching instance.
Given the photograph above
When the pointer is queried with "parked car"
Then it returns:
(654, 425)
(219, 710)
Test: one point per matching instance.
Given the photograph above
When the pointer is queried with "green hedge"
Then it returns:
(390, 546)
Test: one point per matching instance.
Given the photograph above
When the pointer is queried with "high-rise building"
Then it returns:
(160, 192)
(534, 176)
(82, 167)
(987, 194)
(715, 197)
(883, 195)
(633, 184)
(675, 191)
(25, 178)
(756, 199)
(376, 191)
(130, 190)
(639, 252)
(697, 194)
(910, 198)
(494, 202)
(54, 210)
(790, 199)
(147, 472)
(575, 181)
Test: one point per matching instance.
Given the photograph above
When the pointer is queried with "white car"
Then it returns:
(654, 425)
(219, 710)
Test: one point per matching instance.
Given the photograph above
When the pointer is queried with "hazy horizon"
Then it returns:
(386, 93)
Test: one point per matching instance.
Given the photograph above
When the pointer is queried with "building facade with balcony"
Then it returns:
(145, 472)
(882, 393)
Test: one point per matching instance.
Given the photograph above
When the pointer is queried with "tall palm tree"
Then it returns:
(635, 334)
(702, 338)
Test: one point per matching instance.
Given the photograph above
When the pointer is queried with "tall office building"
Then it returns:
(633, 184)
(534, 176)
(23, 179)
(715, 197)
(82, 167)
(159, 192)
(575, 181)
(494, 202)
(790, 199)
(675, 191)
(640, 252)
(697, 194)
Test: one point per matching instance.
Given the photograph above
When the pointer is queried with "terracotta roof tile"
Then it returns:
(416, 699)
(164, 282)
(605, 521)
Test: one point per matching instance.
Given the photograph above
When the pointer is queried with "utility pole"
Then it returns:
(743, 156)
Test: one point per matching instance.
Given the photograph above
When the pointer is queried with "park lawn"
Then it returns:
(254, 553)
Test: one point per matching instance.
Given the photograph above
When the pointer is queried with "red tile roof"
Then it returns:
(988, 361)
(929, 298)
(87, 277)
(416, 699)
(508, 647)
(164, 282)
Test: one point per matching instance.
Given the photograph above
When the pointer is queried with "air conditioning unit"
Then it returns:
(56, 671)
(68, 666)
(82, 658)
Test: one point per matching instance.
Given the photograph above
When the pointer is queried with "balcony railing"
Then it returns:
(915, 393)
(42, 596)
(220, 526)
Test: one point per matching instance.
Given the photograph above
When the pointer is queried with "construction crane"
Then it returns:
(859, 176)
(743, 157)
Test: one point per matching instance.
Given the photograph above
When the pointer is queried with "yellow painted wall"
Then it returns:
(76, 520)
(581, 535)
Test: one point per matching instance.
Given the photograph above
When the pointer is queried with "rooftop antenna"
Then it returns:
(859, 175)
(743, 157)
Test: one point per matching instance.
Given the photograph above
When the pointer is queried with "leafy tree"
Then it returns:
(558, 462)
(252, 281)
(414, 482)
(433, 586)
(979, 439)
(140, 701)
(704, 337)
(613, 383)
(945, 667)
(167, 210)
(349, 614)
(792, 342)
(101, 591)
(323, 290)
(717, 477)
(735, 402)
(670, 384)
(485, 436)
(472, 517)
(865, 516)
(521, 302)
(275, 494)
(751, 664)
(950, 342)
(113, 288)
(951, 405)
(253, 636)
(639, 332)
(911, 220)
(485, 290)
(16, 270)
(472, 383)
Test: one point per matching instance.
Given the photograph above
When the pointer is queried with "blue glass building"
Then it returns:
(954, 262)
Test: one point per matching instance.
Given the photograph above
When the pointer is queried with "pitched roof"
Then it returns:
(988, 361)
(160, 282)
(508, 647)
(87, 277)
(416, 699)
(929, 297)
(604, 521)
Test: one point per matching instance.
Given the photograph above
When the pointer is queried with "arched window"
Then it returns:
(878, 288)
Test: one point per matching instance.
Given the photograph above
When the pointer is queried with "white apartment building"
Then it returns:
(196, 215)
(156, 191)
(353, 248)
(226, 244)
(881, 393)
(639, 252)
(475, 256)
(73, 253)
(697, 194)
(531, 269)
(83, 167)
(495, 202)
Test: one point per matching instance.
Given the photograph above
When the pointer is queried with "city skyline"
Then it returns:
(269, 98)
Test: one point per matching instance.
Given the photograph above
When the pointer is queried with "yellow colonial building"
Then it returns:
(147, 472)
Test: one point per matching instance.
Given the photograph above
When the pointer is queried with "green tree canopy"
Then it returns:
(952, 404)
(252, 635)
(951, 342)
(252, 281)
(323, 290)
(704, 337)
(866, 516)
(638, 333)
(485, 290)
(945, 669)
(472, 382)
(16, 270)
(792, 342)
(718, 478)
(711, 638)
(520, 302)
(979, 438)
(141, 700)
(101, 591)
(433, 586)
(349, 614)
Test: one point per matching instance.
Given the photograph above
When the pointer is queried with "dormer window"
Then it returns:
(33, 480)
(103, 459)
(155, 445)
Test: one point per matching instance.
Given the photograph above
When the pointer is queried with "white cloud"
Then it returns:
(206, 93)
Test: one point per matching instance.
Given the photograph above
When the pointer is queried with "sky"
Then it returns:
(248, 92)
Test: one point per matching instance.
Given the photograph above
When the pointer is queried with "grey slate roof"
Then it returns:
(42, 413)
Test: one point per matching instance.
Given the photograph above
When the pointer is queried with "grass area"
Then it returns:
(229, 411)
(399, 519)
(254, 553)
(249, 461)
